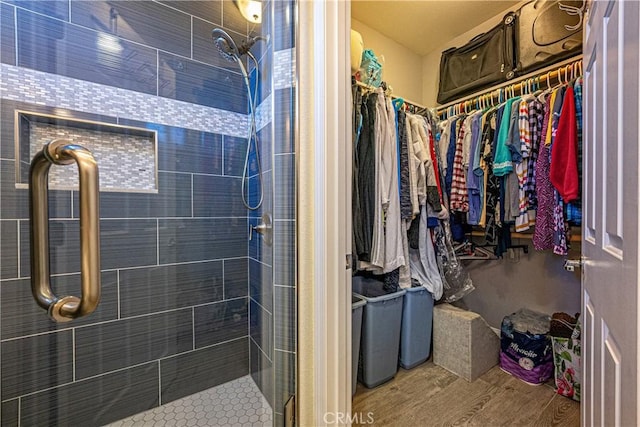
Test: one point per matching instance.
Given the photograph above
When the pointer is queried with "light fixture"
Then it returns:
(250, 9)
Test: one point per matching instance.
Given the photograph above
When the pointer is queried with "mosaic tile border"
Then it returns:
(264, 112)
(284, 66)
(36, 87)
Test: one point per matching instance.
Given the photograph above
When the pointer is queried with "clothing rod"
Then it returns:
(408, 101)
(552, 69)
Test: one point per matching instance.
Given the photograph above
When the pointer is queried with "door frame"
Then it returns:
(323, 212)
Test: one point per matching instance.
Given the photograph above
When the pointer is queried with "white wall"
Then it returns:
(402, 68)
(431, 61)
(536, 280)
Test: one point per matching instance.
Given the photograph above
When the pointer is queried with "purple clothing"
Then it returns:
(559, 231)
(543, 234)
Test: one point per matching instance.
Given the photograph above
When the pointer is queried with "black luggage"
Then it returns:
(487, 59)
(548, 32)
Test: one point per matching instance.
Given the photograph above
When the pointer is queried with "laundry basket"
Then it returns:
(417, 322)
(357, 305)
(381, 323)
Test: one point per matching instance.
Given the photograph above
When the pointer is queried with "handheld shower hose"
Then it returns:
(229, 50)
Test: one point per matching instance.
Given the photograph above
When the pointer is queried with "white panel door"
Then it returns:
(610, 227)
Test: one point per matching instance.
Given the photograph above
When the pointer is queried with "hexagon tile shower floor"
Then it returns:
(236, 403)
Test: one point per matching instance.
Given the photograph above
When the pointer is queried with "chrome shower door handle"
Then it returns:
(62, 152)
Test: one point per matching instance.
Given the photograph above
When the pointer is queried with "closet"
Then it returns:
(510, 266)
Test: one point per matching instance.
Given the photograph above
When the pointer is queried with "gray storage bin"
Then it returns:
(357, 305)
(417, 323)
(381, 324)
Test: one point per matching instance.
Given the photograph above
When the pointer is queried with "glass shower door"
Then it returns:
(196, 318)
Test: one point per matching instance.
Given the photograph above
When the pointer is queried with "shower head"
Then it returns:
(225, 45)
(229, 49)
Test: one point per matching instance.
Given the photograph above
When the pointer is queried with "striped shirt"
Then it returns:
(459, 197)
(536, 117)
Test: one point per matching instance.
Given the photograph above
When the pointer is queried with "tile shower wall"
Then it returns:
(187, 302)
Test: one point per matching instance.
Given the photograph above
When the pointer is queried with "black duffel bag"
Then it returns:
(487, 59)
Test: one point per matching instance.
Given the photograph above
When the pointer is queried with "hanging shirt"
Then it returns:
(405, 184)
(414, 166)
(577, 92)
(574, 209)
(513, 136)
(381, 134)
(536, 116)
(493, 182)
(559, 232)
(423, 152)
(564, 167)
(459, 200)
(434, 167)
(443, 143)
(424, 266)
(481, 169)
(502, 164)
(474, 182)
(547, 134)
(364, 198)
(543, 233)
(523, 221)
(420, 157)
(450, 155)
(393, 251)
(511, 200)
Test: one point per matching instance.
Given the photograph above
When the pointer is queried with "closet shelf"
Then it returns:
(576, 235)
(545, 75)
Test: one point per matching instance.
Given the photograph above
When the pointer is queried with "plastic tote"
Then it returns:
(357, 305)
(381, 323)
(417, 323)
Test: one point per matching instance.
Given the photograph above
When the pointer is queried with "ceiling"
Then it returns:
(422, 26)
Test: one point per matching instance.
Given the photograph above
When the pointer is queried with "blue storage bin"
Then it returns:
(357, 305)
(417, 324)
(381, 323)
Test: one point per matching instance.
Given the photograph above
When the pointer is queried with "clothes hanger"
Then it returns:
(467, 250)
(560, 82)
(572, 71)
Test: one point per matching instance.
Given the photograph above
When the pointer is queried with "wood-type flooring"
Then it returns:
(429, 395)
